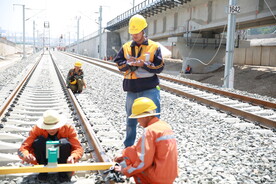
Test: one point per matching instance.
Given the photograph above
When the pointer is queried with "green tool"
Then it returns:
(52, 153)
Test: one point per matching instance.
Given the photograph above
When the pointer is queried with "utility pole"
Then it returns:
(43, 39)
(24, 51)
(100, 33)
(133, 3)
(34, 36)
(38, 41)
(233, 9)
(78, 33)
(46, 37)
(69, 39)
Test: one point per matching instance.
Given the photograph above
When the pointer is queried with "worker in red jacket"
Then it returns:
(188, 69)
(51, 127)
(153, 160)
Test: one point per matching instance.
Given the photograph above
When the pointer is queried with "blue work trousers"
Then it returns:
(154, 95)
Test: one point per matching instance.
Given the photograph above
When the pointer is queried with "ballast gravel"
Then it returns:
(213, 147)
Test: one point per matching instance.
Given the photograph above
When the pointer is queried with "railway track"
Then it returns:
(42, 88)
(259, 112)
(111, 140)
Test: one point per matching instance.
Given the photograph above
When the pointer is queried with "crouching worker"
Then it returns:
(154, 158)
(188, 69)
(75, 79)
(51, 127)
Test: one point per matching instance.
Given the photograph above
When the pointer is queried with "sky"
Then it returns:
(62, 15)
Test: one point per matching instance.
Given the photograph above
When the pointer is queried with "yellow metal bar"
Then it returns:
(59, 168)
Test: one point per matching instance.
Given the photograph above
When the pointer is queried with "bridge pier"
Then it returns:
(204, 55)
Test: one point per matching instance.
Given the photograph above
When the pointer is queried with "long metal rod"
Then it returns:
(59, 168)
(264, 121)
(86, 125)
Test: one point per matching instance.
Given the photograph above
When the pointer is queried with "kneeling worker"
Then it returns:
(51, 127)
(154, 158)
(75, 78)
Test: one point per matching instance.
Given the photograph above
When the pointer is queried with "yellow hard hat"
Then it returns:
(143, 107)
(137, 23)
(78, 64)
(73, 82)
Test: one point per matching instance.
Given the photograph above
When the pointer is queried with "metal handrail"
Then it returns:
(132, 11)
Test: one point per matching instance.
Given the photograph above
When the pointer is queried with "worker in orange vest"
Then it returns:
(154, 158)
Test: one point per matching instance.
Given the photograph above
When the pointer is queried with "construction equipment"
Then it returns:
(52, 153)
(113, 175)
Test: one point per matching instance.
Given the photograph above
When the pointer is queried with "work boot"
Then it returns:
(42, 177)
(64, 176)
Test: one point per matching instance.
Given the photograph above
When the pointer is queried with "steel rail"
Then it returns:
(265, 122)
(86, 125)
(105, 161)
(250, 116)
(18, 88)
(224, 93)
(243, 98)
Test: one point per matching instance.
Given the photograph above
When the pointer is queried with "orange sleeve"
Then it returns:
(145, 149)
(26, 147)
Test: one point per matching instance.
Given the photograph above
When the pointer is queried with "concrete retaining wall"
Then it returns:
(111, 43)
(259, 55)
(7, 47)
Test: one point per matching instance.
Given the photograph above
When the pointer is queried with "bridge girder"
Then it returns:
(152, 10)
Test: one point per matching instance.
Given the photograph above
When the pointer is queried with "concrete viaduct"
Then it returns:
(193, 30)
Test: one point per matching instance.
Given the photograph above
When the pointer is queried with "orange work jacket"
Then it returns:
(154, 159)
(66, 131)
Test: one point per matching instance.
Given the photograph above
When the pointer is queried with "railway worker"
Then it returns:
(188, 69)
(51, 127)
(154, 158)
(140, 60)
(75, 79)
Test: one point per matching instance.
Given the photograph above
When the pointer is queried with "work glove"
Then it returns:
(113, 175)
(72, 78)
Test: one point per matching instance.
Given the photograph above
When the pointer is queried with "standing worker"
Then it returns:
(75, 79)
(51, 127)
(140, 60)
(154, 158)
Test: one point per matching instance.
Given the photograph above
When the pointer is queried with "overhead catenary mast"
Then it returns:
(229, 69)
